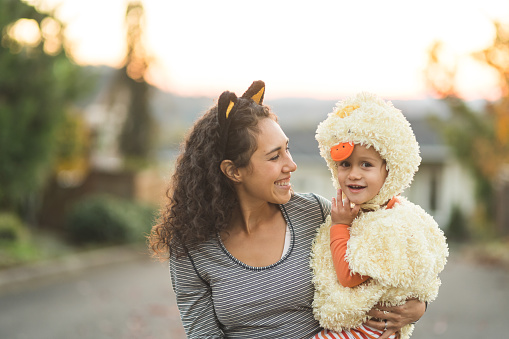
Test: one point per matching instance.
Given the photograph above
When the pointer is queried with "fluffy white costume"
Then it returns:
(402, 249)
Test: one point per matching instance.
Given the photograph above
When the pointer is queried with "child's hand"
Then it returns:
(342, 212)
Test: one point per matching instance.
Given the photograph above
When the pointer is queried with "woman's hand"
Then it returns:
(341, 211)
(394, 318)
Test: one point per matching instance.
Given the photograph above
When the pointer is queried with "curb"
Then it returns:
(12, 277)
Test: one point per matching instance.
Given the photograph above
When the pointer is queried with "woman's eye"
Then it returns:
(344, 164)
(275, 157)
(366, 164)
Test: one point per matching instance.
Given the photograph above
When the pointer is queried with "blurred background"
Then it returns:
(96, 96)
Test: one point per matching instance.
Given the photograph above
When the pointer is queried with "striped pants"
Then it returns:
(362, 332)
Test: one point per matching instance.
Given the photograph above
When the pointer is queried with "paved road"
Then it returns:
(473, 302)
(133, 300)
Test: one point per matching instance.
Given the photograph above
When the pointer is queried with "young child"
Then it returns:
(376, 247)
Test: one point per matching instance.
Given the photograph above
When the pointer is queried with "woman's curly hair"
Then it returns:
(200, 198)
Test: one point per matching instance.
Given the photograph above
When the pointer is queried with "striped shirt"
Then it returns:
(362, 332)
(220, 297)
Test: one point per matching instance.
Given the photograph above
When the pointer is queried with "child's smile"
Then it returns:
(356, 188)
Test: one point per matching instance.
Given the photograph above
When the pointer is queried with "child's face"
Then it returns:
(362, 174)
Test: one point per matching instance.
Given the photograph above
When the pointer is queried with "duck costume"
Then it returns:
(398, 245)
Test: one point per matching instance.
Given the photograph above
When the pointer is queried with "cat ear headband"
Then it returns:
(227, 106)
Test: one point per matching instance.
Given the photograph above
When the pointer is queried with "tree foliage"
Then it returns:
(136, 137)
(38, 83)
(479, 139)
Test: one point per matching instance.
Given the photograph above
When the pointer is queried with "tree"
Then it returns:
(38, 84)
(136, 137)
(480, 140)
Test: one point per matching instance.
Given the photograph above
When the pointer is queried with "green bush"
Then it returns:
(457, 229)
(12, 229)
(103, 219)
(16, 246)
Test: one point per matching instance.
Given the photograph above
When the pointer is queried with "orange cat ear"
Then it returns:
(256, 92)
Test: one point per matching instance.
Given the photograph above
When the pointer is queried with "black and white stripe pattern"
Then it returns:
(221, 297)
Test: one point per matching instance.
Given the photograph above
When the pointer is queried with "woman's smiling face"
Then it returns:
(267, 177)
(362, 174)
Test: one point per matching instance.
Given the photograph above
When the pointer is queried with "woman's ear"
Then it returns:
(230, 170)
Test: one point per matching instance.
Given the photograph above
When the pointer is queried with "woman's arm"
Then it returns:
(394, 318)
(194, 300)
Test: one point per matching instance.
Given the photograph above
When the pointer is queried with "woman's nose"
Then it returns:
(290, 166)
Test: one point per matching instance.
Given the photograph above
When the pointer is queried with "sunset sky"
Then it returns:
(318, 49)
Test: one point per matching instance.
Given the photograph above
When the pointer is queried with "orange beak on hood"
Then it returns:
(341, 151)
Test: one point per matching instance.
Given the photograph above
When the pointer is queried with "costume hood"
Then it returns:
(368, 120)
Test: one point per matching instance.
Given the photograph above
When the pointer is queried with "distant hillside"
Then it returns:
(295, 113)
(298, 116)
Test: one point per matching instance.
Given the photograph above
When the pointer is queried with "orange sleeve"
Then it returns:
(339, 236)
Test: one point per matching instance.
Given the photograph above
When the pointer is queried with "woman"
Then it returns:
(238, 238)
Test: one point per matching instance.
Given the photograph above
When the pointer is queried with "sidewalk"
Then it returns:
(15, 276)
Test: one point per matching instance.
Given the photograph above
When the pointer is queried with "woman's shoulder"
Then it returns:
(309, 202)
(307, 199)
